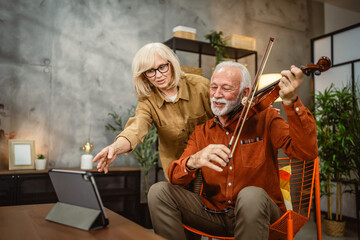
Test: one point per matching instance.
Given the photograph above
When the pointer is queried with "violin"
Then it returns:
(267, 95)
(260, 100)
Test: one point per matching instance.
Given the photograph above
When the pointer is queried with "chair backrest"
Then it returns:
(301, 184)
(302, 181)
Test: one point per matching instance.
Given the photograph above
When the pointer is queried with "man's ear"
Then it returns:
(246, 92)
(245, 95)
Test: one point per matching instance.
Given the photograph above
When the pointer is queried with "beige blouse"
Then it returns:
(175, 121)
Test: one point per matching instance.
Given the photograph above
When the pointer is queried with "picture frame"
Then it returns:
(21, 154)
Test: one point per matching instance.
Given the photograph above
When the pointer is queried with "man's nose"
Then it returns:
(218, 93)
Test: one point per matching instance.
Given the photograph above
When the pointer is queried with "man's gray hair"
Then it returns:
(245, 80)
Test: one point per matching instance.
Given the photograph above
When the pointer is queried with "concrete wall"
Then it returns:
(65, 64)
(338, 18)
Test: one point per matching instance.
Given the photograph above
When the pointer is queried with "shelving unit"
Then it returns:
(204, 48)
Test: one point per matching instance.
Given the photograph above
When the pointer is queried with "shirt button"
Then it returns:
(297, 109)
(229, 183)
(227, 133)
(230, 167)
(229, 201)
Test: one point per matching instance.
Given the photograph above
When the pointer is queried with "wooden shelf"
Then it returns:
(204, 48)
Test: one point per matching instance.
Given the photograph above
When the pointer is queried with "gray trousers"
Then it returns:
(171, 205)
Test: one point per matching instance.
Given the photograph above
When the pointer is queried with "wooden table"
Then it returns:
(119, 189)
(28, 222)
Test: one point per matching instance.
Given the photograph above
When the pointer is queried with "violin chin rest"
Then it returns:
(244, 100)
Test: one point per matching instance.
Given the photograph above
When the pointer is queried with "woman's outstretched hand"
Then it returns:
(108, 154)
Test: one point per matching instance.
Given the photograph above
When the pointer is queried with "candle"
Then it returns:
(86, 161)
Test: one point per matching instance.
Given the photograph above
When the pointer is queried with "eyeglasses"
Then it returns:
(163, 68)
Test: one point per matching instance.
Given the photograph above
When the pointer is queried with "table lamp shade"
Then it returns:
(267, 79)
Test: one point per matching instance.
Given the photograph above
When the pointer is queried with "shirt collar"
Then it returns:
(230, 123)
(183, 93)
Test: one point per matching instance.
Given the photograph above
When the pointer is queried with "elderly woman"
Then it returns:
(175, 102)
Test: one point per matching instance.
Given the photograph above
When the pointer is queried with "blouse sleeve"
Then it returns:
(138, 126)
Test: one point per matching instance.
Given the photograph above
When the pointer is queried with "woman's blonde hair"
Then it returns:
(145, 59)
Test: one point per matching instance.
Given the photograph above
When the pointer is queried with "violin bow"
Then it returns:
(248, 102)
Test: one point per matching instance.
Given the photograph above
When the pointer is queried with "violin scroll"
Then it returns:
(322, 65)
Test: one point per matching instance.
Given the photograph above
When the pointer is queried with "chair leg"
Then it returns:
(317, 203)
(290, 230)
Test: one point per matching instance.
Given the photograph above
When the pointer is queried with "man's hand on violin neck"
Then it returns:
(212, 156)
(289, 84)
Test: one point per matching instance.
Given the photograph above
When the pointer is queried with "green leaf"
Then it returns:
(215, 40)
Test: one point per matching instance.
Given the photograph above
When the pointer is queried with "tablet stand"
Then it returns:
(75, 216)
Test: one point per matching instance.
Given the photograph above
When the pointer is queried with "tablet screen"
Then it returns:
(76, 188)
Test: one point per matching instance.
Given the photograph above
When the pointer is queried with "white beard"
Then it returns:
(229, 106)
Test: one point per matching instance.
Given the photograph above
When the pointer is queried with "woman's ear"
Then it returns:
(146, 80)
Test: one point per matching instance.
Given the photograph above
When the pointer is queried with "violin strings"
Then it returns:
(248, 103)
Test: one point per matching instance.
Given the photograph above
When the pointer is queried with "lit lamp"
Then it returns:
(267, 79)
(86, 159)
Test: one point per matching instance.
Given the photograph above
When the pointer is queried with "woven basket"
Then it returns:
(334, 228)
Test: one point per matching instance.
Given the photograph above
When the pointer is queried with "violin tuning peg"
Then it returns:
(317, 72)
(305, 70)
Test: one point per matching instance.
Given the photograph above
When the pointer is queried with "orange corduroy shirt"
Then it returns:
(254, 162)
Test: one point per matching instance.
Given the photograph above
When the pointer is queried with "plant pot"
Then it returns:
(334, 228)
(40, 164)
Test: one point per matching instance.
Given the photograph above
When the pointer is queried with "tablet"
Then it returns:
(79, 203)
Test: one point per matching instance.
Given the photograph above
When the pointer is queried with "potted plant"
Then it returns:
(216, 40)
(40, 162)
(333, 112)
(356, 139)
(145, 153)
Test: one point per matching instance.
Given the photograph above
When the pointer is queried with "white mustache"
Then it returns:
(218, 100)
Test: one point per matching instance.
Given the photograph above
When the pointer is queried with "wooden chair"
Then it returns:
(304, 179)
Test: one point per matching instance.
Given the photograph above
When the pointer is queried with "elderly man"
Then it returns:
(242, 197)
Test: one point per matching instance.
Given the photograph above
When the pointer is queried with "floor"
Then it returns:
(308, 231)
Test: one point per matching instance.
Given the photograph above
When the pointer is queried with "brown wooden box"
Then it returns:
(193, 70)
(238, 41)
(187, 35)
(184, 32)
